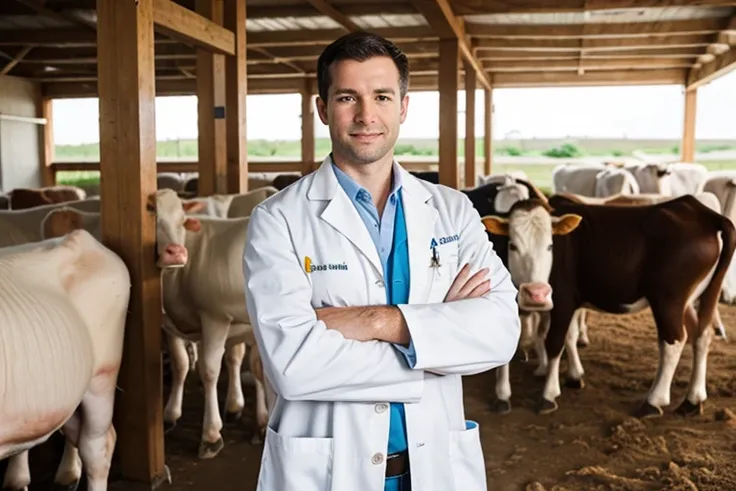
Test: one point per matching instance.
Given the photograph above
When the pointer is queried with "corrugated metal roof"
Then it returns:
(324, 22)
(605, 16)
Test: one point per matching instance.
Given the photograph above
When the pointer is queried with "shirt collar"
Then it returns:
(354, 190)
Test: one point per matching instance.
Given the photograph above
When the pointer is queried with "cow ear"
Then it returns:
(496, 225)
(565, 224)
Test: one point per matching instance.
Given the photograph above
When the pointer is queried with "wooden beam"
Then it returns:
(488, 132)
(266, 39)
(586, 64)
(604, 78)
(596, 31)
(448, 88)
(45, 111)
(188, 166)
(359, 9)
(440, 16)
(236, 92)
(64, 37)
(11, 64)
(128, 170)
(326, 9)
(470, 160)
(543, 55)
(553, 44)
(212, 135)
(470, 7)
(308, 139)
(64, 17)
(190, 27)
(688, 129)
(720, 66)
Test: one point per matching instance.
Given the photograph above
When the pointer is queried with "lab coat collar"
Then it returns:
(419, 214)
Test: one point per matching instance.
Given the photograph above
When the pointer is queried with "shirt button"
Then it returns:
(380, 283)
(380, 408)
(377, 458)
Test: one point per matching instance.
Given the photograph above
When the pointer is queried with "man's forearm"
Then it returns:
(378, 322)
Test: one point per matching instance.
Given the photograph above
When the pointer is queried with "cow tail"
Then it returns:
(711, 294)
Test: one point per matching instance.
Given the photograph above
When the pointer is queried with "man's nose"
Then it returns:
(366, 113)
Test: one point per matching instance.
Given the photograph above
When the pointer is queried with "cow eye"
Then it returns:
(549, 247)
(512, 247)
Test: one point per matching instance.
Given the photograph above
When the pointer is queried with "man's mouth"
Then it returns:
(365, 137)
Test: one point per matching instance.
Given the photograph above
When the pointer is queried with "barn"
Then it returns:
(128, 52)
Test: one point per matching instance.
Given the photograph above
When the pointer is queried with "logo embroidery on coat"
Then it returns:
(309, 267)
(444, 240)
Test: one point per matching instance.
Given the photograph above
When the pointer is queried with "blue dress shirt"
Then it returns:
(388, 231)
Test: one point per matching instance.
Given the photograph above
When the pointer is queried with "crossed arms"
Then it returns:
(347, 353)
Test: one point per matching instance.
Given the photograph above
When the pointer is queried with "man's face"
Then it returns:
(364, 109)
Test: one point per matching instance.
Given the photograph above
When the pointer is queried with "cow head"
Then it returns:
(172, 224)
(508, 194)
(530, 228)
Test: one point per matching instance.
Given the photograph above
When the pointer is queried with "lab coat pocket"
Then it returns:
(466, 459)
(296, 463)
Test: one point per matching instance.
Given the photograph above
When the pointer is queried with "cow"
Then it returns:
(22, 226)
(23, 198)
(203, 300)
(283, 180)
(514, 174)
(621, 260)
(594, 180)
(60, 365)
(723, 184)
(707, 198)
(169, 180)
(243, 204)
(4, 202)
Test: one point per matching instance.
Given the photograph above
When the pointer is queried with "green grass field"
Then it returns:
(507, 157)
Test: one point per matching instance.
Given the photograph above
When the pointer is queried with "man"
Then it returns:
(371, 293)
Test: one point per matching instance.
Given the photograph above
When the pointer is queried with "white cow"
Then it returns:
(723, 185)
(242, 205)
(595, 180)
(60, 365)
(22, 226)
(204, 302)
(673, 179)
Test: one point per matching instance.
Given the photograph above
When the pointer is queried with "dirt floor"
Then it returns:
(591, 443)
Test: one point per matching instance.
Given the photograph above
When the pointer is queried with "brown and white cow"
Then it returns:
(621, 260)
(60, 364)
(23, 198)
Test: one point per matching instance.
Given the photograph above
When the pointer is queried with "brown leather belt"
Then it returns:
(397, 464)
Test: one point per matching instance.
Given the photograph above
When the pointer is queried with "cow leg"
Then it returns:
(262, 409)
(179, 368)
(502, 405)
(541, 351)
(214, 337)
(671, 336)
(18, 473)
(97, 436)
(193, 356)
(575, 369)
(69, 471)
(234, 401)
(582, 318)
(696, 392)
(560, 320)
(718, 327)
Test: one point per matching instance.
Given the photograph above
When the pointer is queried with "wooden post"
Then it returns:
(470, 168)
(308, 141)
(211, 109)
(688, 132)
(48, 153)
(448, 86)
(488, 133)
(126, 88)
(237, 91)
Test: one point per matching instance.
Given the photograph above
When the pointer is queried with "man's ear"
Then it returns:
(322, 110)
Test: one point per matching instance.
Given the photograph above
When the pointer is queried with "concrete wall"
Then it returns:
(20, 142)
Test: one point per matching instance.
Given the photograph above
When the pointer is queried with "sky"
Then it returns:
(601, 112)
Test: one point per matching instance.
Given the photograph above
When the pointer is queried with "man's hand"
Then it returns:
(379, 322)
(464, 287)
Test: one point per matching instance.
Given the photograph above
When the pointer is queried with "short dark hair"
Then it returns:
(360, 46)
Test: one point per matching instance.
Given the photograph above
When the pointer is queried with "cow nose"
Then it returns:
(537, 292)
(174, 255)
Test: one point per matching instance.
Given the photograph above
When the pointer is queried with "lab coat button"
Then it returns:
(381, 407)
(380, 283)
(377, 458)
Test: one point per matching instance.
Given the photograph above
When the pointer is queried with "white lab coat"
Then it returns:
(329, 427)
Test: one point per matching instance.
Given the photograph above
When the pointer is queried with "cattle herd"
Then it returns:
(615, 238)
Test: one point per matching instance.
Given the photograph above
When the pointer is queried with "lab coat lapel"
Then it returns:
(420, 222)
(341, 214)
